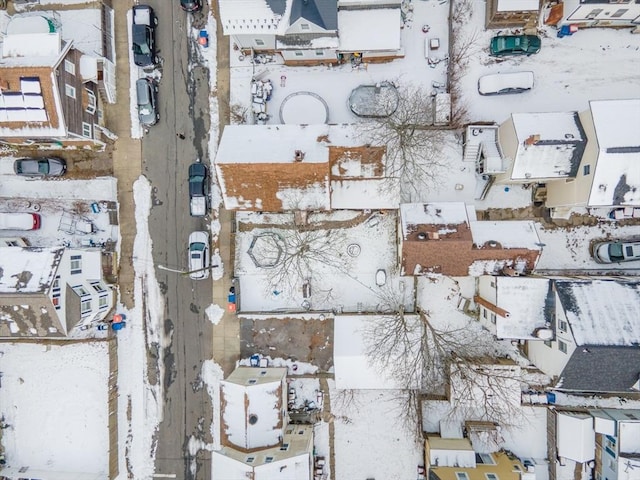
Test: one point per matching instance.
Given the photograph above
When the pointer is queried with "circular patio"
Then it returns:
(304, 108)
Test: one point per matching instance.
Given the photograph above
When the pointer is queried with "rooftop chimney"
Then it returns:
(299, 156)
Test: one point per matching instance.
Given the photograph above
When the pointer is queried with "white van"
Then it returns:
(19, 221)
(503, 83)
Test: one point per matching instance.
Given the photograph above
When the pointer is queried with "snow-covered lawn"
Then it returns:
(54, 399)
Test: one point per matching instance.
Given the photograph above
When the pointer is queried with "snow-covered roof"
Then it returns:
(518, 5)
(28, 270)
(616, 180)
(251, 17)
(413, 215)
(56, 400)
(575, 436)
(252, 399)
(512, 234)
(34, 38)
(601, 312)
(525, 299)
(364, 194)
(371, 29)
(550, 145)
(354, 366)
(451, 452)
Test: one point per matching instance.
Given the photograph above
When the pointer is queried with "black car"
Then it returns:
(40, 167)
(198, 189)
(191, 5)
(143, 35)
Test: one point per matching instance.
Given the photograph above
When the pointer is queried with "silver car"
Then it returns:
(147, 96)
(40, 167)
(199, 255)
(616, 251)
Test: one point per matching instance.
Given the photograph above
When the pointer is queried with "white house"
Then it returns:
(515, 308)
(624, 13)
(596, 336)
(51, 292)
(257, 441)
(618, 432)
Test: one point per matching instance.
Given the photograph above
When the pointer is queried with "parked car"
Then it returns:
(514, 45)
(198, 189)
(147, 96)
(191, 5)
(505, 83)
(143, 33)
(19, 221)
(40, 167)
(198, 255)
(616, 251)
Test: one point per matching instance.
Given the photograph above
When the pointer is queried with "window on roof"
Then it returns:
(81, 291)
(586, 170)
(250, 459)
(85, 307)
(298, 53)
(268, 460)
(69, 90)
(619, 13)
(594, 13)
(563, 326)
(69, 67)
(259, 42)
(562, 346)
(462, 476)
(491, 476)
(304, 26)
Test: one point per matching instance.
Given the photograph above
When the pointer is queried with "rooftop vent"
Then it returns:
(299, 156)
(422, 236)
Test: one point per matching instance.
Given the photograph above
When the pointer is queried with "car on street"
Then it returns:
(191, 5)
(199, 255)
(198, 189)
(40, 167)
(143, 33)
(19, 221)
(616, 251)
(505, 83)
(514, 45)
(147, 97)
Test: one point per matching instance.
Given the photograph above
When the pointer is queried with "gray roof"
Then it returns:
(601, 369)
(323, 13)
(277, 6)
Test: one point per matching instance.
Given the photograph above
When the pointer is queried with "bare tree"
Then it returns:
(458, 363)
(294, 252)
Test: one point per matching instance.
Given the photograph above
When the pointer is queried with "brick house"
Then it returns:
(442, 238)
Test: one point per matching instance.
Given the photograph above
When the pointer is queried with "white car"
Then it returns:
(503, 83)
(199, 255)
(616, 251)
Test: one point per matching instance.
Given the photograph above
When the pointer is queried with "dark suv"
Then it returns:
(143, 34)
(198, 189)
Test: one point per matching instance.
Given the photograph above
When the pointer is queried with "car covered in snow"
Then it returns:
(143, 33)
(19, 221)
(514, 45)
(616, 251)
(198, 189)
(199, 255)
(40, 167)
(505, 83)
(147, 99)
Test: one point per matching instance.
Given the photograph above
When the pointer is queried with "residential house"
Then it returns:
(603, 441)
(257, 440)
(516, 308)
(542, 147)
(597, 333)
(51, 292)
(595, 13)
(459, 459)
(306, 32)
(583, 160)
(276, 168)
(512, 13)
(446, 238)
(48, 89)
